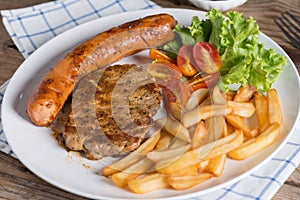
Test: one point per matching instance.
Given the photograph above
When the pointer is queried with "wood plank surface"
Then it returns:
(17, 182)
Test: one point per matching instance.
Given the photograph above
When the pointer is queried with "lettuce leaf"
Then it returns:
(200, 30)
(244, 59)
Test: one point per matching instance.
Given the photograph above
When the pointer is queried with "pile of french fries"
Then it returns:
(192, 144)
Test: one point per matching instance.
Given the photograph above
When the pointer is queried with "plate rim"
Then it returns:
(147, 12)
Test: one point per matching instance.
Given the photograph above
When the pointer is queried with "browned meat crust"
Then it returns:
(112, 111)
(49, 96)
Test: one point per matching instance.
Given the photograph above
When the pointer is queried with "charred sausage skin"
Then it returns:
(49, 96)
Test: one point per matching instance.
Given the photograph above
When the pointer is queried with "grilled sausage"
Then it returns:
(49, 96)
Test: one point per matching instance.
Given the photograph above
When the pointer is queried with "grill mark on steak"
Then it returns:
(112, 111)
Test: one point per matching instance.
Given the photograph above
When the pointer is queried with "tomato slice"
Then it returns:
(168, 97)
(185, 61)
(158, 55)
(164, 70)
(206, 81)
(177, 90)
(206, 57)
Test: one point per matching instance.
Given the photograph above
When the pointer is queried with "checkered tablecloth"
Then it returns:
(32, 26)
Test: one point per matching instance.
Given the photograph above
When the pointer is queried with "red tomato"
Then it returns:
(168, 95)
(164, 70)
(177, 90)
(206, 81)
(206, 57)
(158, 55)
(185, 61)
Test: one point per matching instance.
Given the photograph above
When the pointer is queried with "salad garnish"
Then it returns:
(244, 59)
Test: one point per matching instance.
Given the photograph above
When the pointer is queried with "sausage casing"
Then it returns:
(49, 96)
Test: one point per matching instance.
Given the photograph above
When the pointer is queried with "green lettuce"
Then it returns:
(244, 59)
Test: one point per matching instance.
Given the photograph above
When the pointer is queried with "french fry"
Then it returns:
(195, 147)
(176, 110)
(121, 178)
(206, 102)
(255, 131)
(216, 124)
(196, 98)
(216, 165)
(186, 182)
(254, 145)
(119, 166)
(148, 183)
(261, 104)
(156, 156)
(194, 116)
(164, 141)
(170, 166)
(175, 128)
(215, 131)
(246, 142)
(218, 96)
(202, 166)
(225, 131)
(133, 157)
(207, 151)
(176, 143)
(239, 123)
(245, 93)
(189, 171)
(224, 147)
(215, 128)
(243, 109)
(199, 135)
(192, 130)
(230, 95)
(228, 129)
(274, 107)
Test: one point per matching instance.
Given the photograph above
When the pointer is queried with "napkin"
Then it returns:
(30, 27)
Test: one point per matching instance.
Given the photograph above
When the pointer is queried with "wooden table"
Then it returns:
(17, 182)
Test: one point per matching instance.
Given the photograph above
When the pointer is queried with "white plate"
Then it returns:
(38, 151)
(223, 5)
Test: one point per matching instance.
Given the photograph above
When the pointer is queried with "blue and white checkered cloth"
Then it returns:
(31, 27)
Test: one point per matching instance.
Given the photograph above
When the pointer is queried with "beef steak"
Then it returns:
(111, 112)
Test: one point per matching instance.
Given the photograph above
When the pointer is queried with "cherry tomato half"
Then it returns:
(164, 70)
(177, 90)
(205, 81)
(206, 57)
(158, 55)
(185, 61)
